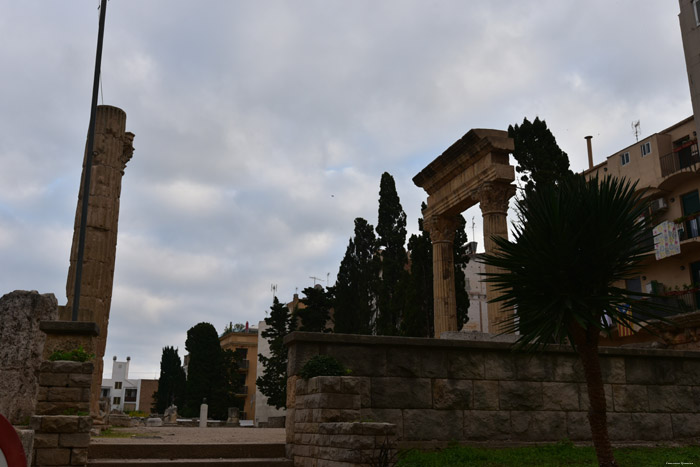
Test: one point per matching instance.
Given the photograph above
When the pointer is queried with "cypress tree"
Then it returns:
(355, 289)
(461, 258)
(418, 314)
(318, 306)
(171, 383)
(391, 231)
(273, 382)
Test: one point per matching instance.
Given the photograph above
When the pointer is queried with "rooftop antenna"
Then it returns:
(273, 289)
(315, 279)
(637, 129)
(473, 235)
(328, 279)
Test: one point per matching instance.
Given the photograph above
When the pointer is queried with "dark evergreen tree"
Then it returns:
(171, 383)
(461, 258)
(540, 160)
(318, 303)
(355, 289)
(273, 382)
(418, 310)
(208, 373)
(391, 231)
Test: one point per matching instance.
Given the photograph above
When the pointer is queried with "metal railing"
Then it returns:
(677, 161)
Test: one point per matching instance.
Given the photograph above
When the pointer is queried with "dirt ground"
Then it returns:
(193, 435)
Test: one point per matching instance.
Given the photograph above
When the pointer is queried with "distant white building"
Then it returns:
(124, 394)
(478, 310)
(263, 411)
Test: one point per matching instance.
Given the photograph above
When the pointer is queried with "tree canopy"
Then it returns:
(171, 383)
(318, 303)
(273, 382)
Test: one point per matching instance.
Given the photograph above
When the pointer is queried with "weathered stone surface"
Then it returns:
(64, 366)
(58, 424)
(332, 401)
(53, 456)
(560, 396)
(486, 425)
(443, 425)
(362, 360)
(60, 408)
(690, 373)
(685, 425)
(619, 426)
(53, 379)
(652, 370)
(408, 393)
(613, 369)
(46, 440)
(155, 421)
(630, 398)
(577, 426)
(538, 426)
(583, 397)
(74, 440)
(393, 416)
(78, 456)
(519, 395)
(122, 420)
(568, 369)
(21, 349)
(535, 367)
(465, 365)
(671, 399)
(453, 394)
(485, 395)
(65, 394)
(405, 362)
(499, 366)
(651, 426)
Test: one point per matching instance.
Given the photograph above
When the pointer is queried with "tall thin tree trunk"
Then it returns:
(587, 349)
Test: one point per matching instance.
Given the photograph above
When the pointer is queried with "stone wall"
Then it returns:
(439, 390)
(21, 348)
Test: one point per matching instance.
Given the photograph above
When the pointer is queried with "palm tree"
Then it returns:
(575, 241)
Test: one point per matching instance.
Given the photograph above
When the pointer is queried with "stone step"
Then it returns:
(186, 451)
(248, 462)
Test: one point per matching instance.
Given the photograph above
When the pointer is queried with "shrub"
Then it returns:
(323, 365)
(75, 355)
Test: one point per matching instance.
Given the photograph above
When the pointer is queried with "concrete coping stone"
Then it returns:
(299, 337)
(88, 328)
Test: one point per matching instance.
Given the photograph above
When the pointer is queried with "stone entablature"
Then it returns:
(436, 391)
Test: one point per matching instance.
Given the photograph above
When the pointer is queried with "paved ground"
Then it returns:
(192, 435)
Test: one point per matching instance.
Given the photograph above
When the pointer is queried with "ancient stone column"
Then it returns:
(112, 150)
(442, 232)
(493, 201)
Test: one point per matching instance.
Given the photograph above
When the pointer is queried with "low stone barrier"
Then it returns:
(437, 390)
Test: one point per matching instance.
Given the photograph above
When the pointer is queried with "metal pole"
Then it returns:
(88, 162)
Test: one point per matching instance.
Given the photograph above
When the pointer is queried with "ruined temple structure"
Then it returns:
(112, 150)
(473, 170)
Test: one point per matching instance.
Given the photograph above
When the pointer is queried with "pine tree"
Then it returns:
(208, 373)
(391, 231)
(171, 383)
(355, 289)
(273, 382)
(318, 306)
(540, 159)
(461, 258)
(418, 312)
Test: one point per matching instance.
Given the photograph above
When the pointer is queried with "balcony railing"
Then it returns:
(683, 302)
(690, 229)
(679, 160)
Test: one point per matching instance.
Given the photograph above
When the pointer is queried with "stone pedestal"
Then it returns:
(113, 149)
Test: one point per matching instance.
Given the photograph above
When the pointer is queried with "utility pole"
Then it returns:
(88, 161)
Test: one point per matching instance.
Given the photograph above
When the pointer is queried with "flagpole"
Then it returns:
(88, 162)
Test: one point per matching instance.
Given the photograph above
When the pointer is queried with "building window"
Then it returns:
(696, 10)
(105, 392)
(624, 158)
(130, 395)
(116, 401)
(646, 148)
(117, 385)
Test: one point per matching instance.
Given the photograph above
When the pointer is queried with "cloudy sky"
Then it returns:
(263, 128)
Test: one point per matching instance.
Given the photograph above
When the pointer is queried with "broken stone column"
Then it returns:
(21, 349)
(442, 233)
(493, 201)
(113, 149)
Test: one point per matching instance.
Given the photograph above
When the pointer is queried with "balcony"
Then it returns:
(243, 365)
(682, 159)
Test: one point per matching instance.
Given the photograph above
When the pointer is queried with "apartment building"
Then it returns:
(125, 394)
(245, 343)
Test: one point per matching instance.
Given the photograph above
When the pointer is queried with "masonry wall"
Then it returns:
(439, 390)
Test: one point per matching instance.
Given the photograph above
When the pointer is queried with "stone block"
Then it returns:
(53, 379)
(485, 395)
(499, 366)
(690, 372)
(560, 396)
(577, 426)
(60, 408)
(361, 360)
(538, 426)
(58, 424)
(568, 369)
(339, 454)
(453, 394)
(619, 426)
(630, 398)
(671, 399)
(80, 380)
(401, 393)
(78, 456)
(351, 441)
(65, 394)
(52, 456)
(613, 369)
(685, 425)
(21, 350)
(298, 355)
(84, 424)
(651, 426)
(64, 366)
(392, 416)
(292, 390)
(74, 440)
(535, 367)
(403, 362)
(332, 401)
(327, 384)
(306, 427)
(519, 395)
(46, 440)
(480, 425)
(429, 424)
(583, 397)
(465, 364)
(653, 370)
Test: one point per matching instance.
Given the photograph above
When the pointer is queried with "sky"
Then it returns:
(263, 129)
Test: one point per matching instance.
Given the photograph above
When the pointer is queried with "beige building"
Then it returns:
(689, 19)
(245, 343)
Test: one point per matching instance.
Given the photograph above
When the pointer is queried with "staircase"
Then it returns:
(188, 455)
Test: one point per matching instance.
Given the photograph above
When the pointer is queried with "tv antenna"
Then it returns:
(637, 129)
(273, 289)
(473, 235)
(314, 278)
